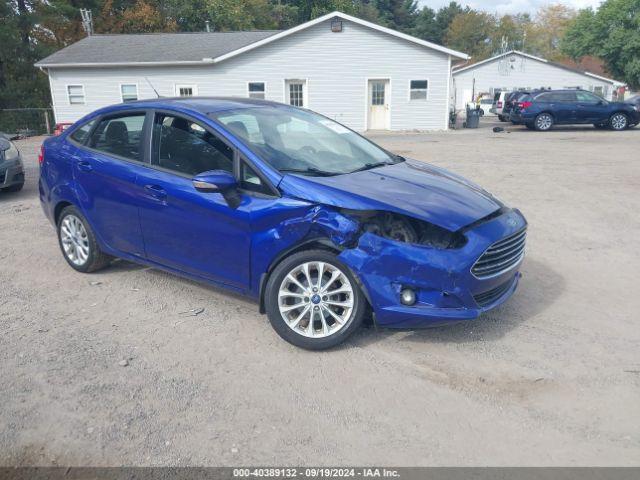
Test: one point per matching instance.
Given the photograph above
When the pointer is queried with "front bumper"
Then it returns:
(446, 289)
(11, 173)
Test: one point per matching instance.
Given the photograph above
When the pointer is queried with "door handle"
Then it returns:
(84, 166)
(156, 191)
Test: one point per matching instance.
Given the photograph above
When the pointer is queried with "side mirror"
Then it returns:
(4, 144)
(214, 181)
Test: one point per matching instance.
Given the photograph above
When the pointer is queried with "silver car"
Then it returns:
(11, 167)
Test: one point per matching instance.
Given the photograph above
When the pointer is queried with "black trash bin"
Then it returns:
(473, 118)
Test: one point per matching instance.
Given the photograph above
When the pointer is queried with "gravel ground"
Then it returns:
(550, 378)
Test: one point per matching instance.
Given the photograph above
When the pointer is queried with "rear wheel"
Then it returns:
(501, 118)
(78, 242)
(313, 300)
(543, 122)
(618, 121)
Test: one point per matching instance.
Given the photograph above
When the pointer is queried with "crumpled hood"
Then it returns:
(410, 188)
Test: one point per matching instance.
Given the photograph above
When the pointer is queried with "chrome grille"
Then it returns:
(501, 256)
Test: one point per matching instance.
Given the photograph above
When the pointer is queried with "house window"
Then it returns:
(129, 92)
(75, 94)
(186, 90)
(256, 90)
(296, 93)
(418, 89)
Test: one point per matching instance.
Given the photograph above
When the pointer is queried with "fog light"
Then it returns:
(407, 296)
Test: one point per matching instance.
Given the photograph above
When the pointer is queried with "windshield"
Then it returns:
(303, 142)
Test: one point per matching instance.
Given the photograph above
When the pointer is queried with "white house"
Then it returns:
(516, 70)
(359, 73)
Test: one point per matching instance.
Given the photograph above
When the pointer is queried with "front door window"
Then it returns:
(185, 147)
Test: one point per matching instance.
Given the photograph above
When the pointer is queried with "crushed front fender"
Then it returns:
(445, 288)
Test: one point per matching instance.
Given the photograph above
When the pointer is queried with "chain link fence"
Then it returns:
(26, 122)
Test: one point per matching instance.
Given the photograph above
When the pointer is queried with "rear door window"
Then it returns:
(586, 97)
(564, 96)
(120, 136)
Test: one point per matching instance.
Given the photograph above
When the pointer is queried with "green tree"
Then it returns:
(23, 41)
(546, 32)
(426, 26)
(611, 33)
(398, 14)
(470, 32)
(445, 16)
(129, 17)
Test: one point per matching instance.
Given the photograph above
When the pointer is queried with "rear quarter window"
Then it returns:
(81, 133)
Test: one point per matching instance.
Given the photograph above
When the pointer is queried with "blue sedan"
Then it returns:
(318, 224)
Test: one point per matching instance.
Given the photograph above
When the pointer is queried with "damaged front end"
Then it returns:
(390, 253)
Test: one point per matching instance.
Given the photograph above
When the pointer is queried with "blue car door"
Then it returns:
(563, 106)
(591, 108)
(105, 170)
(185, 229)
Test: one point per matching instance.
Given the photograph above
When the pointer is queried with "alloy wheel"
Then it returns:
(544, 121)
(316, 299)
(75, 240)
(619, 121)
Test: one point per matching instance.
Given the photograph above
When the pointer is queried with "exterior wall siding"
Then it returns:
(529, 74)
(336, 67)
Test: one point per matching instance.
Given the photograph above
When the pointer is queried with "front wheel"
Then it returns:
(313, 300)
(543, 122)
(618, 121)
(78, 242)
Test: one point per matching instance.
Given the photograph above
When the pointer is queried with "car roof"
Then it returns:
(203, 105)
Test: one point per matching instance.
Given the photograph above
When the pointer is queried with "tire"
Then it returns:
(543, 122)
(618, 121)
(78, 242)
(14, 188)
(530, 126)
(282, 292)
(501, 118)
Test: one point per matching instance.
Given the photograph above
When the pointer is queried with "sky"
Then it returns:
(506, 6)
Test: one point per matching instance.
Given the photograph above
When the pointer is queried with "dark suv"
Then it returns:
(543, 110)
(510, 101)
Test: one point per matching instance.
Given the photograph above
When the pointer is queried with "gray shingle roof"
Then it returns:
(153, 48)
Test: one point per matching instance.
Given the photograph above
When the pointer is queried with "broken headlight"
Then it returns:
(409, 230)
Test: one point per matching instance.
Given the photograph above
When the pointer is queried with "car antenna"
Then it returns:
(152, 87)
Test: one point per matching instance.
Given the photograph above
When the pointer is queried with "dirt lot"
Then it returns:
(550, 378)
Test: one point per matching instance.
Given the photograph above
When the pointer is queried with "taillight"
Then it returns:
(524, 105)
(41, 155)
(499, 104)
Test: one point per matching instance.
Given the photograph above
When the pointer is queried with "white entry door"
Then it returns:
(378, 102)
